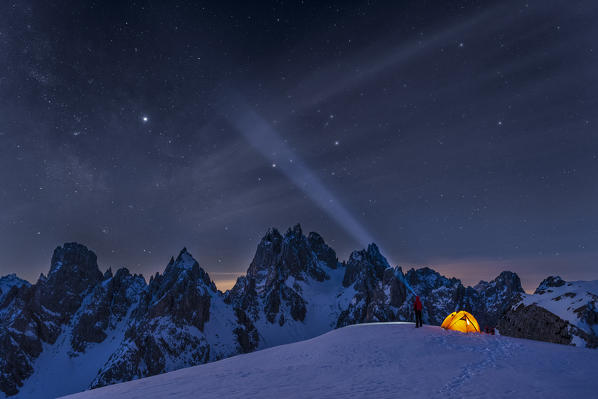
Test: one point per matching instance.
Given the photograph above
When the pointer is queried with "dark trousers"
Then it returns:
(418, 318)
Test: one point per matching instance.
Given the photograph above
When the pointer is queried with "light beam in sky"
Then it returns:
(332, 81)
(262, 136)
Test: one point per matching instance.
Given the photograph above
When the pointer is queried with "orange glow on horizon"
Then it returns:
(225, 284)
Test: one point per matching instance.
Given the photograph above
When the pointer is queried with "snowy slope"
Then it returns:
(324, 303)
(386, 360)
(568, 301)
(57, 363)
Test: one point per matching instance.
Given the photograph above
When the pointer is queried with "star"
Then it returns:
(336, 142)
(273, 165)
(145, 119)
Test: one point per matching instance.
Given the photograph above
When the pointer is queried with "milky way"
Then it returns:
(459, 135)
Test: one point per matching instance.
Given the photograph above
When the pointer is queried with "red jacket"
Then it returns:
(417, 305)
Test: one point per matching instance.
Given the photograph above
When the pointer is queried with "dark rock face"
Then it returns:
(279, 262)
(36, 314)
(588, 313)
(498, 296)
(15, 365)
(107, 305)
(246, 333)
(74, 271)
(291, 255)
(534, 322)
(183, 292)
(370, 275)
(167, 325)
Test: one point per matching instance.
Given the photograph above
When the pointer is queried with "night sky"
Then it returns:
(461, 135)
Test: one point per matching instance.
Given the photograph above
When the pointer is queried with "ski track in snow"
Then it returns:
(384, 360)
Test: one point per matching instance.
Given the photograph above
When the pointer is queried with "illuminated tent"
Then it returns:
(461, 321)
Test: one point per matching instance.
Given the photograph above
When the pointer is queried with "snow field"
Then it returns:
(383, 360)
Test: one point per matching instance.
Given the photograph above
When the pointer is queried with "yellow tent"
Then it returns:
(461, 321)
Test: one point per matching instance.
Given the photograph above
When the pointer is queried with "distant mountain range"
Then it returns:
(86, 329)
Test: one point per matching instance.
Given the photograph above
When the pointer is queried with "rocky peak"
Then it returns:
(548, 282)
(73, 271)
(425, 279)
(12, 279)
(183, 292)
(39, 312)
(509, 280)
(184, 259)
(365, 264)
(273, 279)
(322, 251)
(294, 231)
(292, 255)
(184, 267)
(374, 255)
(8, 282)
(108, 274)
(266, 253)
(74, 258)
(379, 289)
(370, 256)
(492, 299)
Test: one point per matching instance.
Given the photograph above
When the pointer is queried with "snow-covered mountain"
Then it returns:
(180, 320)
(295, 288)
(88, 329)
(382, 361)
(558, 311)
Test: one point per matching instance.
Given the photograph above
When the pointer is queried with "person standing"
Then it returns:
(417, 306)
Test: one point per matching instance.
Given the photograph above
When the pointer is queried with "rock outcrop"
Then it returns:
(535, 322)
(558, 311)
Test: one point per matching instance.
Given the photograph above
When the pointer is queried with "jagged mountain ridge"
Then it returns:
(295, 288)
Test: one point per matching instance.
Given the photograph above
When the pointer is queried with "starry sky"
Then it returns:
(460, 135)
